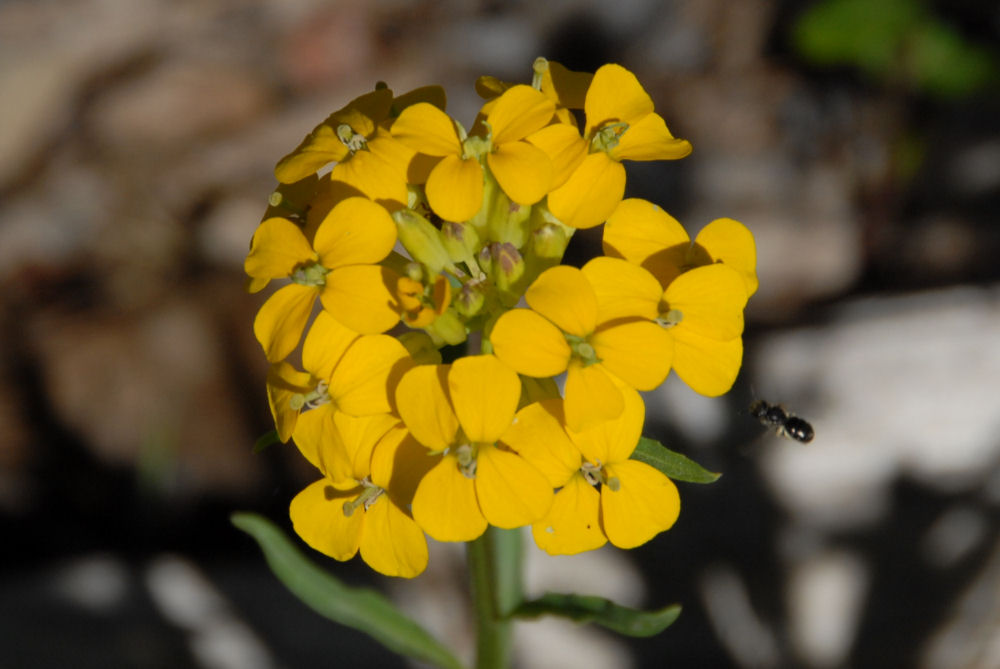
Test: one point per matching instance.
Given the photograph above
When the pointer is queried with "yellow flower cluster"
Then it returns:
(424, 236)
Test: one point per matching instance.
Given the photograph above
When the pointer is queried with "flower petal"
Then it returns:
(711, 299)
(391, 542)
(565, 148)
(445, 504)
(316, 437)
(530, 343)
(708, 366)
(564, 296)
(523, 171)
(520, 111)
(423, 403)
(282, 318)
(645, 504)
(484, 393)
(591, 396)
(613, 440)
(319, 147)
(615, 95)
(572, 524)
(359, 297)
(591, 193)
(455, 188)
(399, 463)
(569, 88)
(649, 139)
(380, 171)
(425, 128)
(278, 246)
(318, 517)
(325, 345)
(732, 243)
(537, 436)
(370, 369)
(637, 352)
(356, 231)
(359, 435)
(644, 234)
(623, 289)
(283, 382)
(510, 490)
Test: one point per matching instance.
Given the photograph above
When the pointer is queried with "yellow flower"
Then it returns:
(621, 125)
(349, 373)
(564, 332)
(700, 314)
(368, 158)
(361, 502)
(605, 494)
(338, 268)
(454, 186)
(466, 413)
(644, 234)
(284, 383)
(566, 88)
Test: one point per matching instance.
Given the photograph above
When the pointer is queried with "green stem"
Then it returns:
(495, 569)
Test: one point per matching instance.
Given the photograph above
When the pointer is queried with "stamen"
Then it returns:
(607, 137)
(591, 473)
(582, 349)
(369, 495)
(353, 141)
(306, 401)
(670, 318)
(466, 455)
(312, 274)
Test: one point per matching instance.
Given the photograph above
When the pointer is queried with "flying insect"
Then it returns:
(784, 423)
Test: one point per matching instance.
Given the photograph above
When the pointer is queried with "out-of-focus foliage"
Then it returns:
(896, 41)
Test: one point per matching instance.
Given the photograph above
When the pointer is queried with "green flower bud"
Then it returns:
(460, 240)
(421, 347)
(510, 222)
(422, 240)
(470, 299)
(508, 265)
(447, 329)
(549, 241)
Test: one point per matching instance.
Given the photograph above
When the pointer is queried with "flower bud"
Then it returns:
(421, 347)
(549, 241)
(460, 240)
(422, 240)
(447, 329)
(508, 265)
(470, 299)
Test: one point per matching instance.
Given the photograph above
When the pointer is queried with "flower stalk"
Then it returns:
(494, 563)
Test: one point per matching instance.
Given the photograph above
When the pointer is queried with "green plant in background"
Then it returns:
(895, 41)
(425, 237)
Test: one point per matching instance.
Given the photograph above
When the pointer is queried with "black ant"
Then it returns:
(785, 424)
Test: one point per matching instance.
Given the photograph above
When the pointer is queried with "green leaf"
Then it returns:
(361, 608)
(676, 466)
(265, 440)
(587, 609)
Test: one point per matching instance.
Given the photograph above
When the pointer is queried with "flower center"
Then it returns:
(608, 137)
(466, 455)
(316, 397)
(369, 494)
(669, 318)
(312, 274)
(582, 350)
(596, 474)
(476, 147)
(352, 140)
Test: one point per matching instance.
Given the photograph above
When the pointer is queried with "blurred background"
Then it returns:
(858, 140)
